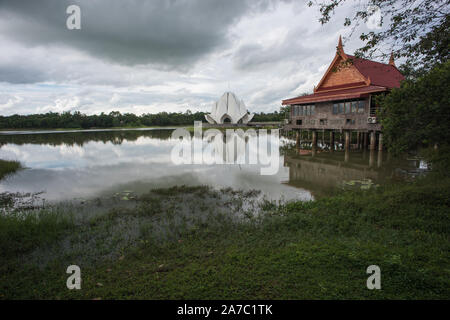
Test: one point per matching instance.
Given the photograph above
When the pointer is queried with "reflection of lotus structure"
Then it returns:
(229, 110)
(231, 148)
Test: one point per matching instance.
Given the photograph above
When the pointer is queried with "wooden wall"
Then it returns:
(343, 75)
(324, 110)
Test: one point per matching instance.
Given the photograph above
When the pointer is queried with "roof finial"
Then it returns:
(391, 59)
(340, 47)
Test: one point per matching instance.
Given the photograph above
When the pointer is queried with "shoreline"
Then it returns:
(204, 125)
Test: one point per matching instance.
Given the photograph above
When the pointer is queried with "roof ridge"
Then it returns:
(373, 61)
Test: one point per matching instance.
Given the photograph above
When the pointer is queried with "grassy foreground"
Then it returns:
(183, 249)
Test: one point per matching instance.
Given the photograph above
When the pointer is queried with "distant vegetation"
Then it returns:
(75, 138)
(53, 120)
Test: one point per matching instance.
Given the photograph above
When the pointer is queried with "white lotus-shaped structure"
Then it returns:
(229, 109)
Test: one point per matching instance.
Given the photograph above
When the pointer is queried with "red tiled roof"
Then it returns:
(380, 74)
(336, 95)
(377, 77)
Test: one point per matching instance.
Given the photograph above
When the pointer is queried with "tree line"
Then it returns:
(53, 120)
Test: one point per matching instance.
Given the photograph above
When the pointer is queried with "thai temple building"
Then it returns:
(344, 99)
(229, 109)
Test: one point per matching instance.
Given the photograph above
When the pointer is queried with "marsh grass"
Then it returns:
(8, 166)
(177, 244)
(22, 231)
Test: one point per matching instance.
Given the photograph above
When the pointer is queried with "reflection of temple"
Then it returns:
(232, 147)
(324, 171)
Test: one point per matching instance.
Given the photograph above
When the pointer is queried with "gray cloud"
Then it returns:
(251, 56)
(21, 74)
(170, 34)
(152, 56)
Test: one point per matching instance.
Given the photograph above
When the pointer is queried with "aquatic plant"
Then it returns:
(8, 167)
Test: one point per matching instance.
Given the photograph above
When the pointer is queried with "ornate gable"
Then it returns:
(350, 77)
(341, 73)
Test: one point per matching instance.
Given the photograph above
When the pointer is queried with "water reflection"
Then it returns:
(71, 165)
(79, 138)
(321, 171)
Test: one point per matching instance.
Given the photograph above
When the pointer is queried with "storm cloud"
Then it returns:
(171, 34)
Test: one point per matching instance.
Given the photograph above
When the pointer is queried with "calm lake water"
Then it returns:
(87, 164)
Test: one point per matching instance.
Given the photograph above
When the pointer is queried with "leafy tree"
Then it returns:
(268, 117)
(285, 111)
(418, 113)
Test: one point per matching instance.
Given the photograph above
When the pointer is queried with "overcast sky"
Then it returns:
(168, 55)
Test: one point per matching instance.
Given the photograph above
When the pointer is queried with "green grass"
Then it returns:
(8, 167)
(21, 232)
(299, 250)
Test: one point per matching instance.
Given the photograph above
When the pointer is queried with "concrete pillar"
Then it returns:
(314, 138)
(331, 141)
(358, 140)
(347, 140)
(372, 140)
(371, 157)
(380, 158)
(313, 143)
(323, 138)
(365, 140)
(380, 142)
(346, 155)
